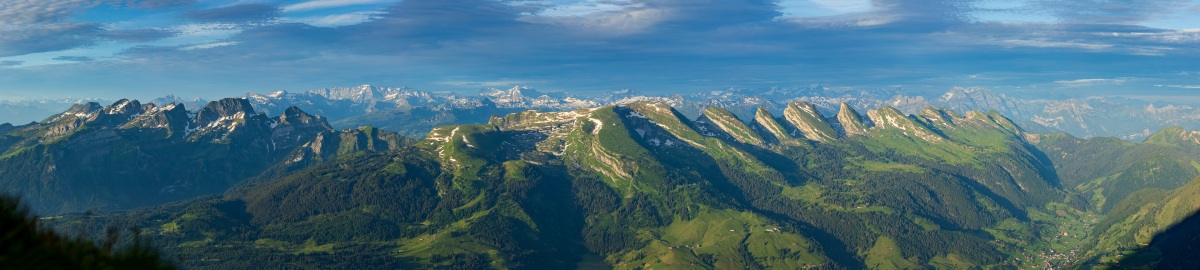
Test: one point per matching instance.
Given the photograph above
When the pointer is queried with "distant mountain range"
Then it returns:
(413, 112)
(32, 110)
(635, 185)
(130, 154)
(398, 108)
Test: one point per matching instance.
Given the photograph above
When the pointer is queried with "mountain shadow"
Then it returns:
(1173, 248)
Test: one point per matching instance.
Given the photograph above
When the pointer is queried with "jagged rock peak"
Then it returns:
(89, 107)
(888, 117)
(172, 107)
(514, 92)
(78, 111)
(972, 93)
(124, 106)
(359, 93)
(809, 121)
(516, 96)
(294, 115)
(729, 123)
(938, 116)
(762, 112)
(194, 103)
(771, 130)
(294, 111)
(171, 116)
(228, 107)
(851, 122)
(120, 113)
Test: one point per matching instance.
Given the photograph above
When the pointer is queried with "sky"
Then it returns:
(218, 48)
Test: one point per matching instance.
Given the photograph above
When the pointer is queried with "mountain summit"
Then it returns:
(130, 154)
(639, 184)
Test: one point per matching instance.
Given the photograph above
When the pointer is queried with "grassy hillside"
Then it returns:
(640, 186)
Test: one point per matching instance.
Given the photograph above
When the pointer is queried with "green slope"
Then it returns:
(640, 186)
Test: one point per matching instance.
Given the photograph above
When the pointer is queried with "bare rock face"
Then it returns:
(770, 128)
(172, 117)
(67, 121)
(130, 154)
(809, 122)
(890, 118)
(850, 121)
(224, 108)
(727, 123)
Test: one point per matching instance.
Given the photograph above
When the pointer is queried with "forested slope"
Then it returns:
(642, 186)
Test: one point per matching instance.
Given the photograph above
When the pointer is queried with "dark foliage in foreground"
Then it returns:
(26, 245)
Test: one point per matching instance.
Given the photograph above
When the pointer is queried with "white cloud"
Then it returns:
(583, 8)
(631, 19)
(207, 30)
(1150, 50)
(1184, 86)
(340, 19)
(1177, 36)
(822, 8)
(1089, 82)
(324, 4)
(1054, 44)
(209, 45)
(844, 6)
(24, 12)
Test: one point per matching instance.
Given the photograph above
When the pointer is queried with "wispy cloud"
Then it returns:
(584, 7)
(845, 5)
(344, 19)
(26, 12)
(74, 58)
(324, 4)
(208, 45)
(1089, 82)
(1107, 11)
(47, 38)
(1184, 86)
(1055, 44)
(244, 13)
(1173, 36)
(36, 26)
(665, 45)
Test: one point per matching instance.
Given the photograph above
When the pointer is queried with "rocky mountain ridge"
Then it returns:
(631, 185)
(350, 107)
(131, 154)
(1084, 117)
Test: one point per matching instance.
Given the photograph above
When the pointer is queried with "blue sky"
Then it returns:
(214, 48)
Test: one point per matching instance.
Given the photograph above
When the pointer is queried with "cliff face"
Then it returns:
(805, 118)
(850, 121)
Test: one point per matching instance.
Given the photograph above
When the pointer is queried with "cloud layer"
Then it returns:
(593, 45)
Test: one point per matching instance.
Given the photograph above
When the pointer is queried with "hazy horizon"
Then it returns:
(1163, 98)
